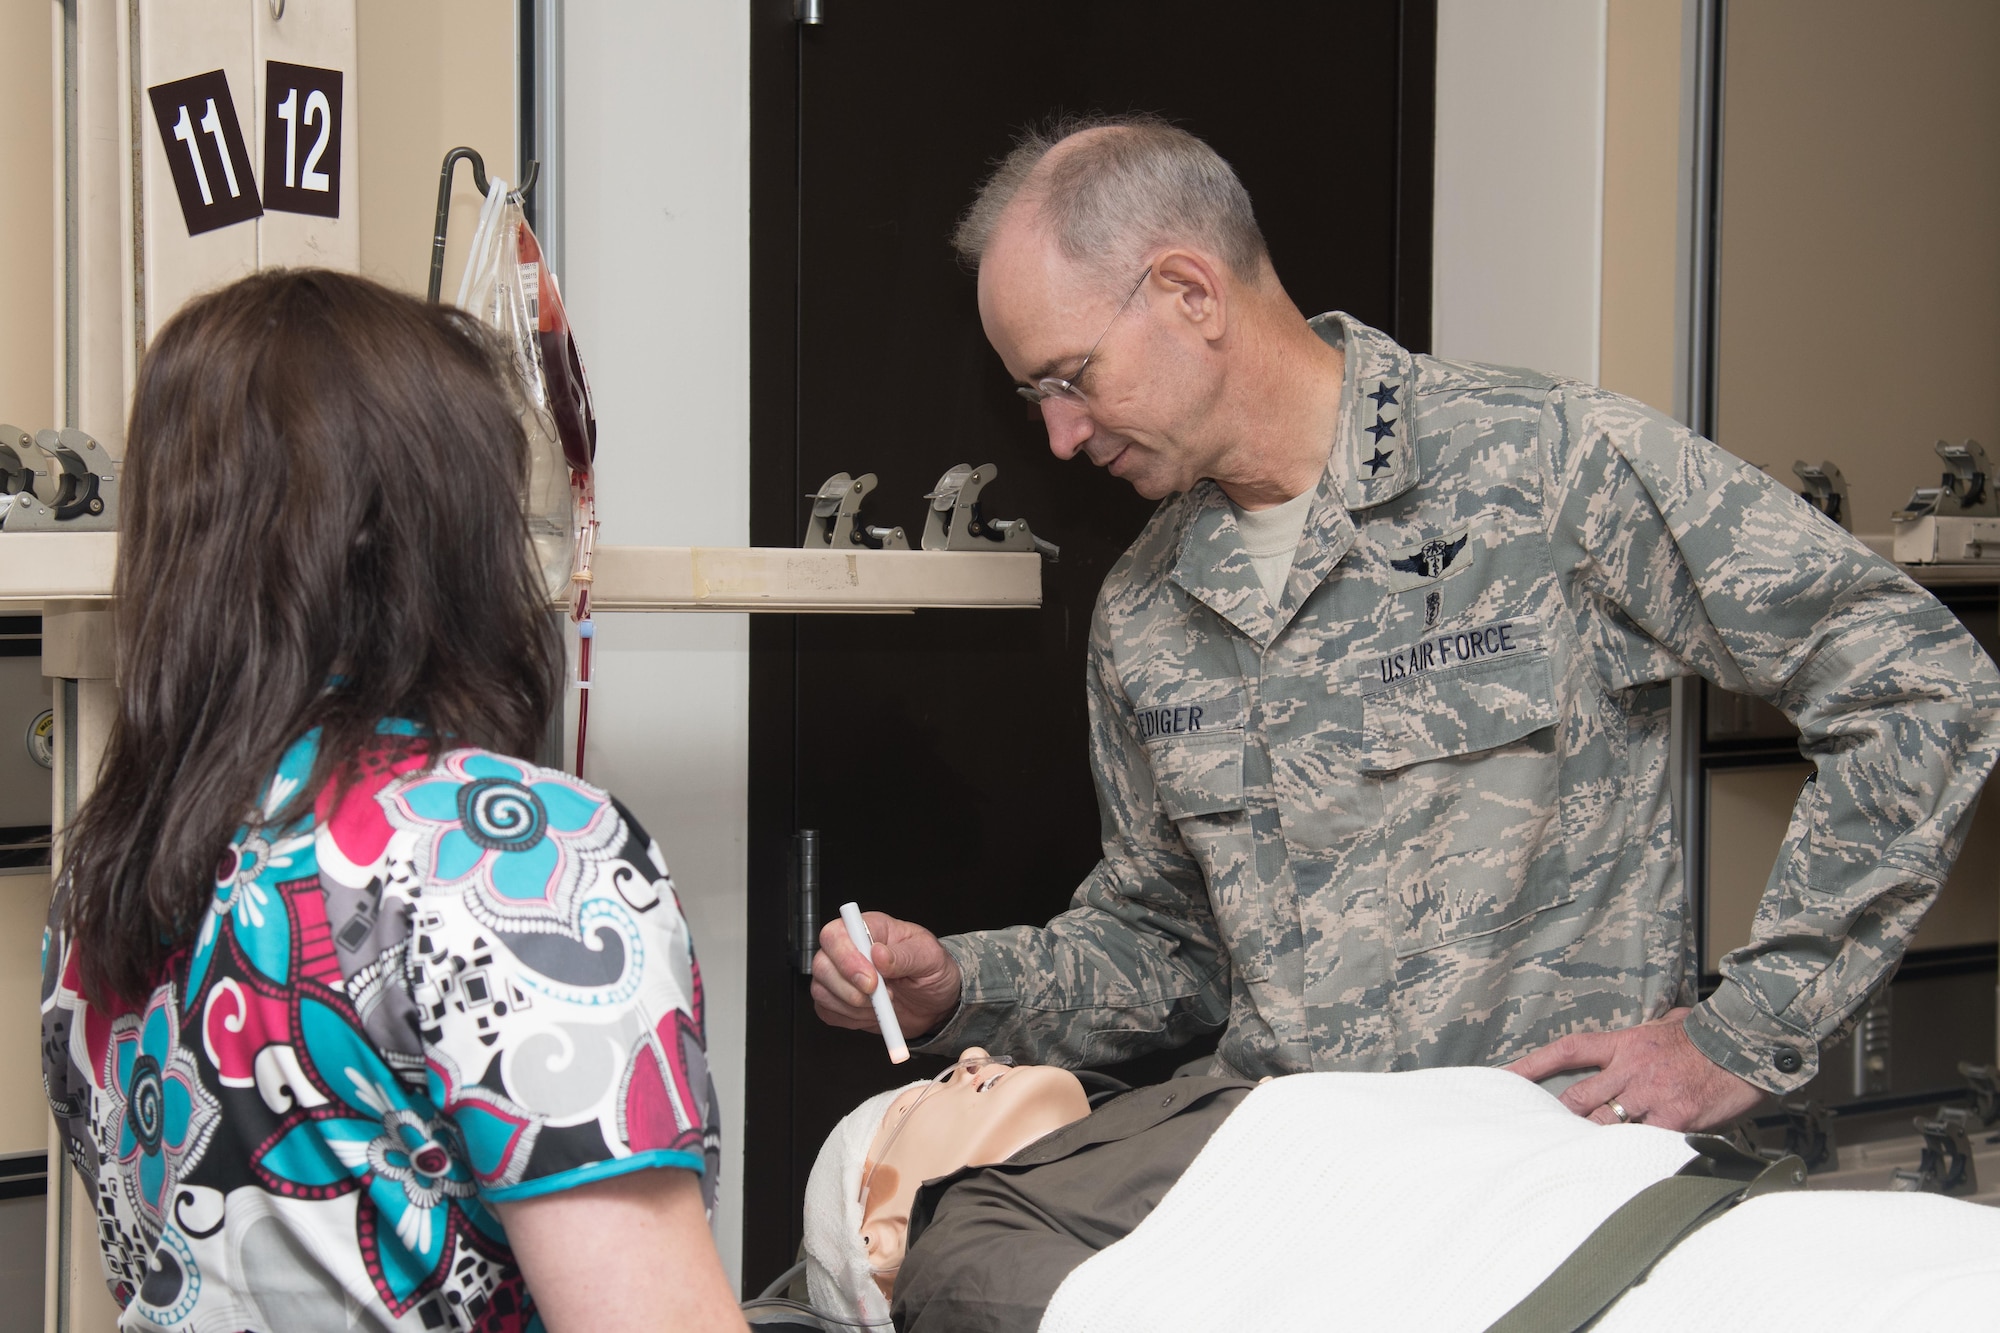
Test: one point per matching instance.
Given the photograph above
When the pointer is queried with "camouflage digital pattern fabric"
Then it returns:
(1417, 813)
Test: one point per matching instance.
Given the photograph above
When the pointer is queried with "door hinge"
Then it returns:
(807, 11)
(803, 935)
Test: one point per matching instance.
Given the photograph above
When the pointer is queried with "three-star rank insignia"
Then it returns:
(1385, 440)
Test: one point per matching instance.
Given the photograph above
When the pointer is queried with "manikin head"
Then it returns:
(1061, 235)
(980, 1110)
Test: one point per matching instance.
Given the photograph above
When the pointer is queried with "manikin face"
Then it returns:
(976, 1112)
(1149, 381)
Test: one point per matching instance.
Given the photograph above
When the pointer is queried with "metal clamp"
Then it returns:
(17, 468)
(955, 522)
(1808, 1136)
(1826, 489)
(1946, 1165)
(1966, 482)
(1965, 489)
(836, 518)
(78, 492)
(1984, 1080)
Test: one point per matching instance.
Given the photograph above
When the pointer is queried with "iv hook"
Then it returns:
(479, 181)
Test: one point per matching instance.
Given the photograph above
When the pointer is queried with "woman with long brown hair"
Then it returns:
(352, 1016)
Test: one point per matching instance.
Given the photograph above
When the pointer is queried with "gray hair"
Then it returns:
(1117, 194)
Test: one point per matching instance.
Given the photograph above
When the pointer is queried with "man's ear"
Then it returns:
(1198, 290)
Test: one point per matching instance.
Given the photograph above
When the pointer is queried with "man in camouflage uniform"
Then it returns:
(1407, 805)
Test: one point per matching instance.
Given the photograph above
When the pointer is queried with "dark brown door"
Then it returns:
(942, 755)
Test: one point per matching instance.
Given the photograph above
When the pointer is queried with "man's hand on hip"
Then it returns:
(923, 978)
(1652, 1072)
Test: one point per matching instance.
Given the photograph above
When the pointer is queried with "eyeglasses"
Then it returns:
(1050, 387)
(910, 1111)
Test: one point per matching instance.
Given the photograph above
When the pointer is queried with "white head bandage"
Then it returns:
(837, 1272)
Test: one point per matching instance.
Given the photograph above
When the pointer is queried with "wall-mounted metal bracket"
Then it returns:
(1955, 521)
(1965, 490)
(1808, 1136)
(836, 518)
(76, 492)
(1946, 1165)
(17, 467)
(955, 522)
(1966, 480)
(1826, 490)
(1984, 1080)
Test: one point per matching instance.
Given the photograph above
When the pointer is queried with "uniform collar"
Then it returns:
(1370, 463)
(1215, 570)
(1375, 448)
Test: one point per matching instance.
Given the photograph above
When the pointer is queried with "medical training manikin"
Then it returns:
(995, 1198)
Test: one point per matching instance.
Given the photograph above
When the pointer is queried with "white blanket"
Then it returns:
(1437, 1199)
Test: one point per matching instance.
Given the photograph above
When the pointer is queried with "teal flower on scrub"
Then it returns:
(366, 1131)
(167, 1115)
(520, 834)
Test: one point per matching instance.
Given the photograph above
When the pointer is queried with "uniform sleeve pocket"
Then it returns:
(1199, 774)
(1194, 744)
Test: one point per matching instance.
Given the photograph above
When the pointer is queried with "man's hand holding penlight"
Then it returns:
(924, 980)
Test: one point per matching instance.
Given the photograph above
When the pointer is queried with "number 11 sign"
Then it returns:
(301, 139)
(205, 152)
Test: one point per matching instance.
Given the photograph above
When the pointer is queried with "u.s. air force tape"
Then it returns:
(1451, 648)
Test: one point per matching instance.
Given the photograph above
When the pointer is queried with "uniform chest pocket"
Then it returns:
(1195, 748)
(1470, 777)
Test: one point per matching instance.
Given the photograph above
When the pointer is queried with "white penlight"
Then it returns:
(885, 1011)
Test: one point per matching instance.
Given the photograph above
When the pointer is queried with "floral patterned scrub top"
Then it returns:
(468, 982)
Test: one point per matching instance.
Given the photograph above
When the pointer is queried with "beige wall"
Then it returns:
(29, 293)
(24, 1115)
(434, 75)
(1642, 92)
(28, 260)
(1860, 315)
(1860, 305)
(1515, 258)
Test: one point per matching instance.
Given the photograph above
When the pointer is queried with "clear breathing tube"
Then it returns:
(769, 1299)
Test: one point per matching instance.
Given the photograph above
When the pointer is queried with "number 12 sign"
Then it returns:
(301, 139)
(205, 152)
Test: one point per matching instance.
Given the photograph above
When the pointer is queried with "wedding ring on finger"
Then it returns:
(1623, 1116)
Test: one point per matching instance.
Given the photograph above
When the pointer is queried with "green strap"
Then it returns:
(1627, 1244)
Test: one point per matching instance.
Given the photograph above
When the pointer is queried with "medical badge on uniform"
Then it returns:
(1426, 565)
(1432, 559)
(1429, 562)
